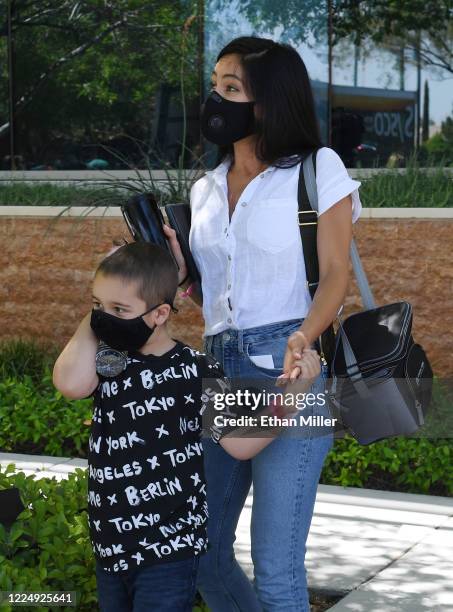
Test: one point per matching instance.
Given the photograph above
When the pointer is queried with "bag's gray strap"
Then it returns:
(362, 281)
(365, 291)
(355, 376)
(310, 181)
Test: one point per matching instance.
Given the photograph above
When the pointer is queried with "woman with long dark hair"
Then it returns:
(258, 312)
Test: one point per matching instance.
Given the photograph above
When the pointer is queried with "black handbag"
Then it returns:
(145, 220)
(380, 380)
(179, 218)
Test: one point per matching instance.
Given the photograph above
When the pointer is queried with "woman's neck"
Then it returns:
(245, 161)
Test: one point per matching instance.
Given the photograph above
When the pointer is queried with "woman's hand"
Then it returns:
(176, 249)
(117, 243)
(309, 368)
(297, 343)
(309, 365)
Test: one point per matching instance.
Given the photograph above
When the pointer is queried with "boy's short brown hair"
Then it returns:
(150, 266)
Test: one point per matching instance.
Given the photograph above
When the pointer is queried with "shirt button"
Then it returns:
(229, 320)
(229, 286)
(229, 257)
(262, 175)
(226, 229)
(243, 203)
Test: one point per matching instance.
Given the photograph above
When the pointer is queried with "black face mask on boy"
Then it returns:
(121, 334)
(224, 122)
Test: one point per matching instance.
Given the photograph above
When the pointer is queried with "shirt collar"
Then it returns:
(220, 171)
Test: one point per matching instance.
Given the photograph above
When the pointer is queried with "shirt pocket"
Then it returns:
(272, 224)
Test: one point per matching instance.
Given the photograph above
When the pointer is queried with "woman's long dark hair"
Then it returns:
(277, 79)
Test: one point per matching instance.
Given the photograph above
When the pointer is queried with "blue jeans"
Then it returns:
(164, 587)
(285, 477)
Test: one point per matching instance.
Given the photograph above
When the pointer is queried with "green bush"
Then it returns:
(36, 418)
(423, 182)
(48, 546)
(19, 193)
(411, 188)
(417, 464)
(412, 465)
(21, 357)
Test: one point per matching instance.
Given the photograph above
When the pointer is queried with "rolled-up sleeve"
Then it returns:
(214, 384)
(334, 183)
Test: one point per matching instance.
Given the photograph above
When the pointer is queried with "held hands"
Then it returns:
(297, 344)
(309, 365)
(309, 368)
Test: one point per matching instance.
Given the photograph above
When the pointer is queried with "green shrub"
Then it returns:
(422, 183)
(38, 419)
(20, 193)
(412, 188)
(417, 464)
(48, 546)
(412, 465)
(19, 358)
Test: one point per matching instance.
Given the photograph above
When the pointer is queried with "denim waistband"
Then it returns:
(240, 336)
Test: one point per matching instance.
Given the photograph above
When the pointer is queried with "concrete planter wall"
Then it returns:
(47, 263)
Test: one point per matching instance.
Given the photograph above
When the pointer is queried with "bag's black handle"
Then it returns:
(312, 192)
(308, 222)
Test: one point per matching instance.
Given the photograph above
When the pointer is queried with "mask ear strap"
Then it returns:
(157, 305)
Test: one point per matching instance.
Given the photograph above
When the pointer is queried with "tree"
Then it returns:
(357, 18)
(380, 21)
(440, 146)
(89, 70)
(425, 122)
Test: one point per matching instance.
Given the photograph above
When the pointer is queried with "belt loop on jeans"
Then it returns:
(209, 341)
(240, 340)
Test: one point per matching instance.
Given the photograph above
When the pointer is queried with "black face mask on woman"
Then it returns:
(224, 122)
(121, 334)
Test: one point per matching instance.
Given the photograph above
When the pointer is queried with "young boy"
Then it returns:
(146, 490)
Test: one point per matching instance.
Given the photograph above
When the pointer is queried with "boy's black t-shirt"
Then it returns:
(146, 485)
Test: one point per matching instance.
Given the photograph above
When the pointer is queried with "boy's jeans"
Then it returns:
(165, 587)
(285, 477)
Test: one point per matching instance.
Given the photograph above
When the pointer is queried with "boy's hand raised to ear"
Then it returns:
(74, 372)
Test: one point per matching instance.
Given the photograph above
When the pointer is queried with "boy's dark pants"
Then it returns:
(165, 587)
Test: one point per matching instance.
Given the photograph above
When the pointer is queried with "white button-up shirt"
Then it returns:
(252, 268)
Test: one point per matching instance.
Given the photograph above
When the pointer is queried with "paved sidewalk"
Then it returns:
(384, 552)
